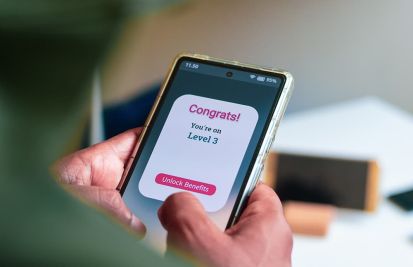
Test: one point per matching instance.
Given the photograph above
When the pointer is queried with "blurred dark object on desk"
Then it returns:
(129, 114)
(345, 183)
(125, 115)
(404, 200)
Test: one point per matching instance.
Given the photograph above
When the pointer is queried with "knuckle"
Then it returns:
(74, 170)
(110, 199)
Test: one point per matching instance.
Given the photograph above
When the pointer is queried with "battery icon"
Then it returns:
(260, 78)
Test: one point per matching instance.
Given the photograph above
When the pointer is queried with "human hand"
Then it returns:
(94, 173)
(261, 237)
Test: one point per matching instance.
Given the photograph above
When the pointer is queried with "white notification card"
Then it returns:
(199, 150)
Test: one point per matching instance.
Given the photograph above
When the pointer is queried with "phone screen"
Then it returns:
(202, 139)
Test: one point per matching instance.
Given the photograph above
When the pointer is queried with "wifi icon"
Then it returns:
(252, 76)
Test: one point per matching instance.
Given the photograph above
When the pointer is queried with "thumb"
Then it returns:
(189, 228)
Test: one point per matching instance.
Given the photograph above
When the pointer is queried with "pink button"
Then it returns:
(185, 184)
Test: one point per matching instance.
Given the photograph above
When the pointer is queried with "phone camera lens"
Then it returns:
(229, 74)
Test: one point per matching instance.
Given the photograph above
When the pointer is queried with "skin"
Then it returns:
(261, 237)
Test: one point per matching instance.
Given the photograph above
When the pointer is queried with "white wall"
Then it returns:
(336, 50)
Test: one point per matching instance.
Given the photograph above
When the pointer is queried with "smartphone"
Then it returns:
(208, 133)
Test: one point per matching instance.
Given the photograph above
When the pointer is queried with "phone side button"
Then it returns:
(260, 171)
(267, 145)
(270, 137)
(271, 127)
(270, 142)
(257, 174)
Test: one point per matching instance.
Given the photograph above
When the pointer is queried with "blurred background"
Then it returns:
(352, 104)
(351, 61)
(337, 50)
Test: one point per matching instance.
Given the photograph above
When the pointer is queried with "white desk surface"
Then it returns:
(364, 128)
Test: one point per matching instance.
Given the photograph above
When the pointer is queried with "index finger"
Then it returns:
(101, 164)
(120, 145)
(262, 199)
(263, 209)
